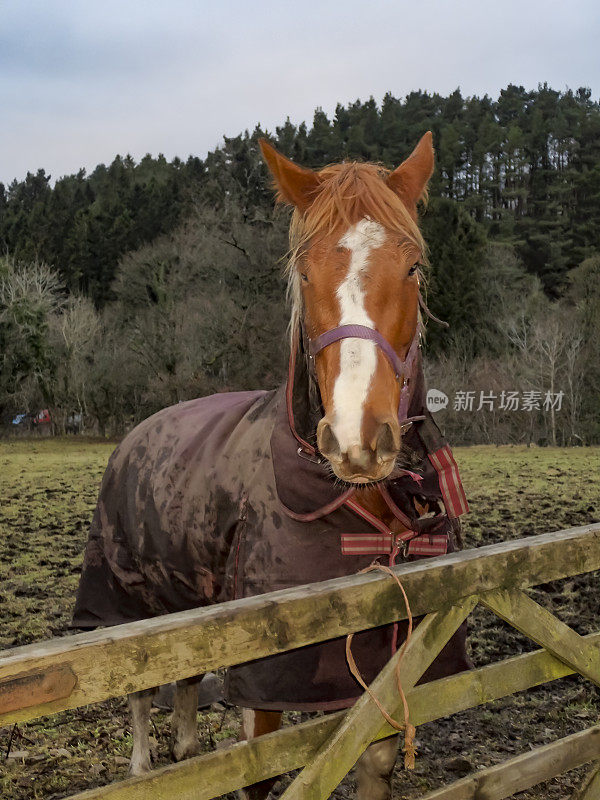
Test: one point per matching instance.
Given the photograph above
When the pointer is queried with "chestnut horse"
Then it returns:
(353, 281)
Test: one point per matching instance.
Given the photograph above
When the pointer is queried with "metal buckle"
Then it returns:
(314, 459)
(400, 547)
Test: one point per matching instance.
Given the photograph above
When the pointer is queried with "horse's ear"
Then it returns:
(410, 180)
(295, 185)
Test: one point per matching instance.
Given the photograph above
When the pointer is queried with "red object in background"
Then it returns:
(41, 417)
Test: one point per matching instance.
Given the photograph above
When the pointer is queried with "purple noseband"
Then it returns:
(402, 368)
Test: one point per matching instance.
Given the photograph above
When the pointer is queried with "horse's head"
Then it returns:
(356, 248)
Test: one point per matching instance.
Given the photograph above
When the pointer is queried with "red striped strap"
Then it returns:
(366, 544)
(434, 545)
(450, 483)
(381, 542)
(359, 544)
(370, 518)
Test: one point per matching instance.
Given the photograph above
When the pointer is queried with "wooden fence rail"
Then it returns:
(76, 670)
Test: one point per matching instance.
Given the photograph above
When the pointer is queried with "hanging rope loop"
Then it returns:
(409, 730)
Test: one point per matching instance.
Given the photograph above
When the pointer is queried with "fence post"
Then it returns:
(363, 721)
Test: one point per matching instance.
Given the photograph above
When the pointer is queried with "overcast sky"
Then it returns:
(82, 80)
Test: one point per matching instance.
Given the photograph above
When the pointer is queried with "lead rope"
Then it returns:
(409, 749)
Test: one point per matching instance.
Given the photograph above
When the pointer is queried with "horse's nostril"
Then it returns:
(327, 441)
(387, 441)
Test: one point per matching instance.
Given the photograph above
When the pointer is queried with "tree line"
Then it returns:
(145, 283)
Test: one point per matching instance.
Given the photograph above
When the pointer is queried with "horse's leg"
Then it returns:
(184, 725)
(140, 704)
(255, 723)
(374, 770)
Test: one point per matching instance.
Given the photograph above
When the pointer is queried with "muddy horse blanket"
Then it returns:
(220, 498)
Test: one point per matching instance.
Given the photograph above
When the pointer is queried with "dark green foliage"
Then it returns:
(526, 166)
(455, 287)
(84, 224)
(173, 274)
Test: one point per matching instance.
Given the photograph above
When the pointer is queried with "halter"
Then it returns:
(403, 369)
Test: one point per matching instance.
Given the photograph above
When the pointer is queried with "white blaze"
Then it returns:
(358, 357)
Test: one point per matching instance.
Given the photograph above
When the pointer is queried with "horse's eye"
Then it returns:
(413, 269)
(304, 277)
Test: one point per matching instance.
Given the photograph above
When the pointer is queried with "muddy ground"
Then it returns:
(47, 493)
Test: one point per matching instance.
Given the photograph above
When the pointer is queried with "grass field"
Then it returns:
(47, 494)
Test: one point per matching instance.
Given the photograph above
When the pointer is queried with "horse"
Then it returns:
(242, 493)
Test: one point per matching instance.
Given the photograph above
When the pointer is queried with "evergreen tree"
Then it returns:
(455, 287)
(526, 166)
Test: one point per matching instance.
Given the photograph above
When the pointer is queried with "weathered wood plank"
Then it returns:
(37, 687)
(363, 721)
(448, 696)
(219, 772)
(115, 661)
(590, 789)
(524, 771)
(536, 622)
(222, 771)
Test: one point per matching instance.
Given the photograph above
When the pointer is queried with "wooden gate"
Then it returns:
(69, 672)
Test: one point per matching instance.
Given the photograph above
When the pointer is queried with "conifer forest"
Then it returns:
(144, 283)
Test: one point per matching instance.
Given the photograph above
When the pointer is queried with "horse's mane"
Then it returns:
(346, 194)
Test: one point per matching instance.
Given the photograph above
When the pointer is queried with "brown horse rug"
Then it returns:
(222, 497)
